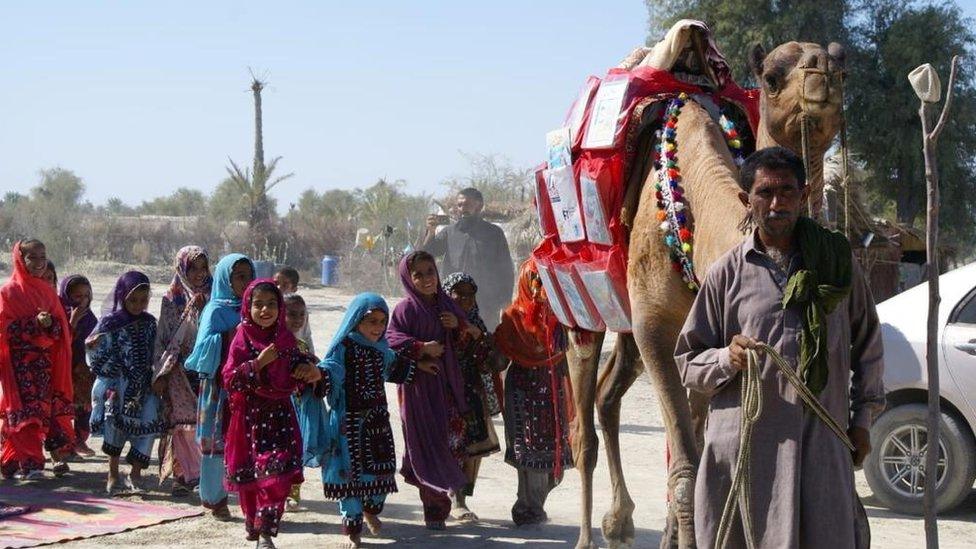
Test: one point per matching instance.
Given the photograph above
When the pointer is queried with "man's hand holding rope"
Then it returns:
(739, 349)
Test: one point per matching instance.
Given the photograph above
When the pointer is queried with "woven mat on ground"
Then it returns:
(62, 516)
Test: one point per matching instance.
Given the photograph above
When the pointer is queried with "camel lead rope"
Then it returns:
(741, 478)
(805, 149)
(738, 498)
(844, 159)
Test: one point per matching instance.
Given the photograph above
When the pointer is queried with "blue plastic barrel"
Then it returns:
(264, 269)
(330, 270)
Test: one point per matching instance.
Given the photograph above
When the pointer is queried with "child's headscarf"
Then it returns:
(180, 290)
(251, 339)
(474, 315)
(88, 322)
(118, 317)
(221, 314)
(529, 329)
(22, 297)
(359, 307)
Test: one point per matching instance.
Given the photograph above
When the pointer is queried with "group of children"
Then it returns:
(227, 380)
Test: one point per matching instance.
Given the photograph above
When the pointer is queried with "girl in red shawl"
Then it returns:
(538, 397)
(263, 444)
(428, 324)
(36, 407)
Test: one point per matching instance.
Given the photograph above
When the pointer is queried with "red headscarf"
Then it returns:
(23, 296)
(528, 329)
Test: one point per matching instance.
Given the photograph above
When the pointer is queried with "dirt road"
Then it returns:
(317, 523)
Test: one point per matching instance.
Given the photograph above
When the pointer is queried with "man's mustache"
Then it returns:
(778, 215)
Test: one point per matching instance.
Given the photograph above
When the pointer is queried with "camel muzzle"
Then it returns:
(816, 87)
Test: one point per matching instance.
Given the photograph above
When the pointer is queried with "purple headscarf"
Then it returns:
(118, 318)
(87, 323)
(423, 403)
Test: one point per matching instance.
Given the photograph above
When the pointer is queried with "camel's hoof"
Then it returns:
(669, 538)
(683, 510)
(618, 530)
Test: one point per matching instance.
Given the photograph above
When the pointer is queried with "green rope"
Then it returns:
(738, 498)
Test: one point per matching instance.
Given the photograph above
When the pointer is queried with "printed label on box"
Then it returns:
(557, 148)
(561, 186)
(574, 299)
(579, 108)
(604, 296)
(601, 132)
(554, 296)
(593, 212)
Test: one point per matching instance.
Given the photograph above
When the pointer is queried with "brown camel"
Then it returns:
(797, 80)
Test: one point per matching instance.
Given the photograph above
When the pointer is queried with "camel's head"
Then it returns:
(797, 80)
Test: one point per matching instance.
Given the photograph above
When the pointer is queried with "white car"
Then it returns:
(895, 468)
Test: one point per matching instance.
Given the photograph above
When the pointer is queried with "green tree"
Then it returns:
(893, 37)
(56, 209)
(739, 24)
(12, 198)
(115, 206)
(320, 224)
(387, 204)
(182, 202)
(227, 203)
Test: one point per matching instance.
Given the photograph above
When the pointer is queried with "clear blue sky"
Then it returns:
(141, 98)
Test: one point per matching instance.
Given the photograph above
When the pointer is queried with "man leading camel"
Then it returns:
(795, 286)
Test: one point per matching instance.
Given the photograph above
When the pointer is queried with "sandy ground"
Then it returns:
(317, 522)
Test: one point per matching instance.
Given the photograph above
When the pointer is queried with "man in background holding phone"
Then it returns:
(476, 247)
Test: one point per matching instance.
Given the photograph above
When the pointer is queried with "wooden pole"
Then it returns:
(932, 330)
(930, 138)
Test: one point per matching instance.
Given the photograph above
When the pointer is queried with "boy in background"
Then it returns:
(286, 279)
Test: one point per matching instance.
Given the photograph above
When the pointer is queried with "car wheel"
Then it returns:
(895, 468)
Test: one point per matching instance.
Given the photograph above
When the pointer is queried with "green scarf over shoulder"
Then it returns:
(817, 290)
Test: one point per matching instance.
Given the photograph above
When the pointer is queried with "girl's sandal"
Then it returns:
(114, 487)
(467, 517)
(436, 525)
(221, 513)
(60, 469)
(373, 523)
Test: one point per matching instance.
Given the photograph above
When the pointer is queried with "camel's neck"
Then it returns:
(710, 180)
(815, 166)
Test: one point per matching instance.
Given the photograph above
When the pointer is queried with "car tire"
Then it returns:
(960, 449)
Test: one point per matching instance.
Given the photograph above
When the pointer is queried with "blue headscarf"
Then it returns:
(360, 306)
(222, 314)
(335, 364)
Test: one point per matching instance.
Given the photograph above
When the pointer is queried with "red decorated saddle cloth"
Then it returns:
(580, 189)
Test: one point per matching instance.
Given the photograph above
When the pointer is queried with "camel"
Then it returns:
(798, 80)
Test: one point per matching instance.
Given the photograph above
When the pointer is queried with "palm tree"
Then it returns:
(255, 183)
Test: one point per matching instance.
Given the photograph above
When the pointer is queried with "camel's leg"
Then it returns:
(583, 360)
(618, 375)
(655, 337)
